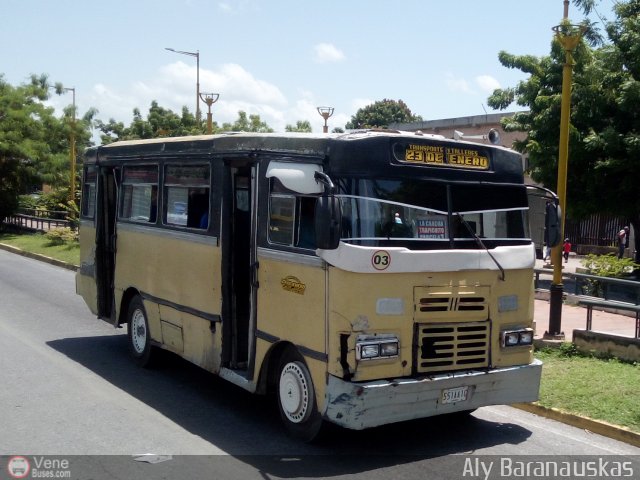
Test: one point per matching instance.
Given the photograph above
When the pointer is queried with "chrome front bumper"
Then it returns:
(364, 405)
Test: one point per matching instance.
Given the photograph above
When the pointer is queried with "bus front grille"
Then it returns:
(454, 346)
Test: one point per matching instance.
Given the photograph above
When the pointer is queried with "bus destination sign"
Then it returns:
(440, 155)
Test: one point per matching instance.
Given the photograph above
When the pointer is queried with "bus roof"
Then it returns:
(362, 152)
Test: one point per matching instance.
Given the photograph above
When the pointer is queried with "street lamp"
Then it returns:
(209, 99)
(72, 152)
(325, 112)
(569, 37)
(197, 55)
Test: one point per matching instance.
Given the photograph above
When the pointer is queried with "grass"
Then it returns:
(37, 243)
(599, 388)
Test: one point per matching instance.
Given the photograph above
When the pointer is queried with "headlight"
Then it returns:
(369, 348)
(517, 338)
(369, 351)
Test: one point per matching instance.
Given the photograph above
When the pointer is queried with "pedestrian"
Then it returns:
(566, 248)
(622, 241)
(547, 253)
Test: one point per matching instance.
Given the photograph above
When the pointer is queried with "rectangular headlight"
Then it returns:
(526, 337)
(389, 349)
(517, 338)
(372, 347)
(510, 339)
(369, 351)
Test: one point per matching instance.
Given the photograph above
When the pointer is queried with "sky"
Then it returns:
(280, 59)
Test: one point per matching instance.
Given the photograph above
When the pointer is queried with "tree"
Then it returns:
(34, 144)
(381, 114)
(301, 126)
(243, 124)
(604, 143)
(160, 122)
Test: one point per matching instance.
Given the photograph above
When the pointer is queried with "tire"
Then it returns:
(138, 333)
(297, 398)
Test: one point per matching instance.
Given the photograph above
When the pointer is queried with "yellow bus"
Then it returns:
(364, 278)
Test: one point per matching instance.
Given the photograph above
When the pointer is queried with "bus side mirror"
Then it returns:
(328, 222)
(552, 224)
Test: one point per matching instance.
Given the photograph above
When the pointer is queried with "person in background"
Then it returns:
(566, 248)
(622, 241)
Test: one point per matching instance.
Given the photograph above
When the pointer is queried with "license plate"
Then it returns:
(454, 395)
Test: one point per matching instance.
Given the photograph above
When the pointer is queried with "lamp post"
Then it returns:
(325, 112)
(197, 55)
(569, 37)
(209, 99)
(72, 150)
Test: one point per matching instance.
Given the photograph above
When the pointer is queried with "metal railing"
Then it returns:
(608, 288)
(37, 220)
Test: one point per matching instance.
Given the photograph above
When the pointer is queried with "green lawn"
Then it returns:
(38, 243)
(602, 389)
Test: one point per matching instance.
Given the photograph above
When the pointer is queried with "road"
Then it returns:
(69, 389)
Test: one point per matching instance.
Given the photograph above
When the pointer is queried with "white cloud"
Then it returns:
(174, 86)
(327, 52)
(487, 83)
(455, 84)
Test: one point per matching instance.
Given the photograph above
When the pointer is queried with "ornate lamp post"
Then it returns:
(72, 150)
(209, 99)
(325, 112)
(569, 37)
(197, 55)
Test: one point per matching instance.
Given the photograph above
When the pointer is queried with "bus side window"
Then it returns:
(89, 192)
(281, 219)
(186, 196)
(139, 194)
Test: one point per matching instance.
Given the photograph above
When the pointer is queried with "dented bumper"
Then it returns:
(369, 404)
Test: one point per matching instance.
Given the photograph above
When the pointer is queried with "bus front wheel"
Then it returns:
(138, 333)
(297, 398)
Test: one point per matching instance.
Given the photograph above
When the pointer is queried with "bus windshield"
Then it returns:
(432, 215)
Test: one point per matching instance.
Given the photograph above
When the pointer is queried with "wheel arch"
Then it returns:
(127, 296)
(269, 371)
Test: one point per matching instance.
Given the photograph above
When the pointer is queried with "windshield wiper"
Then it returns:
(481, 244)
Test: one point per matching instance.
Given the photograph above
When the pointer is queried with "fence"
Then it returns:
(597, 230)
(37, 220)
(582, 284)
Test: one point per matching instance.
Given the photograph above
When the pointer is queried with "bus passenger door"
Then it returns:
(106, 242)
(239, 266)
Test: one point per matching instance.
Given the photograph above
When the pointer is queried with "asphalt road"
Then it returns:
(69, 389)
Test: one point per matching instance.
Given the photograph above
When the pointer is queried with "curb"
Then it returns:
(605, 429)
(37, 256)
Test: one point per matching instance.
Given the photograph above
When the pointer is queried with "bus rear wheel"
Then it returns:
(297, 398)
(138, 333)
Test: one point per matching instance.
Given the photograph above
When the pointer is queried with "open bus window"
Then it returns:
(89, 192)
(281, 219)
(291, 217)
(186, 196)
(139, 194)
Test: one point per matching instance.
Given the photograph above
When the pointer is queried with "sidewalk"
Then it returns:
(574, 317)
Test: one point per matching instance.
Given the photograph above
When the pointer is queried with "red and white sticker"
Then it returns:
(381, 260)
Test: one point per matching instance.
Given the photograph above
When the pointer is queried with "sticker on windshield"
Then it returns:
(381, 260)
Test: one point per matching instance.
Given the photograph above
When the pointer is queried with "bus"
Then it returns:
(364, 278)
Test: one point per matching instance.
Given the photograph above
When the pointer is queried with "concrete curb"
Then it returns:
(596, 426)
(605, 429)
(37, 256)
